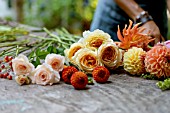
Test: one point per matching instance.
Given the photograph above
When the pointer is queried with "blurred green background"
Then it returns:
(74, 15)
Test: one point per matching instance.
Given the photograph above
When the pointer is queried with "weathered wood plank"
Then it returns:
(123, 94)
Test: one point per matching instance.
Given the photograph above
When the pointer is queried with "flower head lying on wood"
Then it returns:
(22, 66)
(157, 61)
(47, 73)
(94, 49)
(110, 55)
(44, 74)
(95, 39)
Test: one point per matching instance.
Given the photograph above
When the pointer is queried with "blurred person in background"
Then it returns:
(152, 14)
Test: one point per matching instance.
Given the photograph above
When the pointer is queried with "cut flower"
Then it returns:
(157, 61)
(44, 74)
(56, 61)
(133, 61)
(95, 39)
(22, 66)
(86, 59)
(69, 53)
(110, 55)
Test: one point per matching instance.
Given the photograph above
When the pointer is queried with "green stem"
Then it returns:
(7, 44)
(48, 39)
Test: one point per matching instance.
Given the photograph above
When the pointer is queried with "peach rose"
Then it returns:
(69, 53)
(44, 74)
(56, 61)
(22, 79)
(95, 39)
(86, 60)
(110, 55)
(22, 66)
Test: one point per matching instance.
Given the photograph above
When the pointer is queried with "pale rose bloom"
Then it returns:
(167, 44)
(56, 61)
(44, 74)
(110, 55)
(95, 39)
(22, 66)
(69, 53)
(22, 79)
(86, 60)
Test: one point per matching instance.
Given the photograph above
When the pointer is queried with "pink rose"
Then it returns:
(56, 61)
(167, 44)
(22, 66)
(44, 74)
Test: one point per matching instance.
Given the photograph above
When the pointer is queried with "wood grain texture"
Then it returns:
(122, 94)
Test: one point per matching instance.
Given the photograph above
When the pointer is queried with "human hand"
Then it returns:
(153, 31)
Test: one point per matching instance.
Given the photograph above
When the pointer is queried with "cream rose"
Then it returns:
(69, 53)
(86, 59)
(95, 39)
(110, 55)
(44, 74)
(56, 61)
(22, 79)
(22, 66)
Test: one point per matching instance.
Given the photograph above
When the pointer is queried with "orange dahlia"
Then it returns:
(157, 61)
(133, 37)
(133, 61)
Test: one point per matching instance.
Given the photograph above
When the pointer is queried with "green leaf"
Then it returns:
(42, 54)
(50, 49)
(149, 76)
(31, 55)
(60, 51)
(164, 85)
(90, 81)
(37, 51)
(54, 50)
(36, 62)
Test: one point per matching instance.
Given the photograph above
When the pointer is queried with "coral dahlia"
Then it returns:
(157, 61)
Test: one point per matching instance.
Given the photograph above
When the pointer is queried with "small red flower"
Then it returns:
(101, 74)
(9, 77)
(67, 73)
(79, 80)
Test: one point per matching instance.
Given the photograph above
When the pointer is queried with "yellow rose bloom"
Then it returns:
(95, 39)
(69, 53)
(86, 60)
(110, 55)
